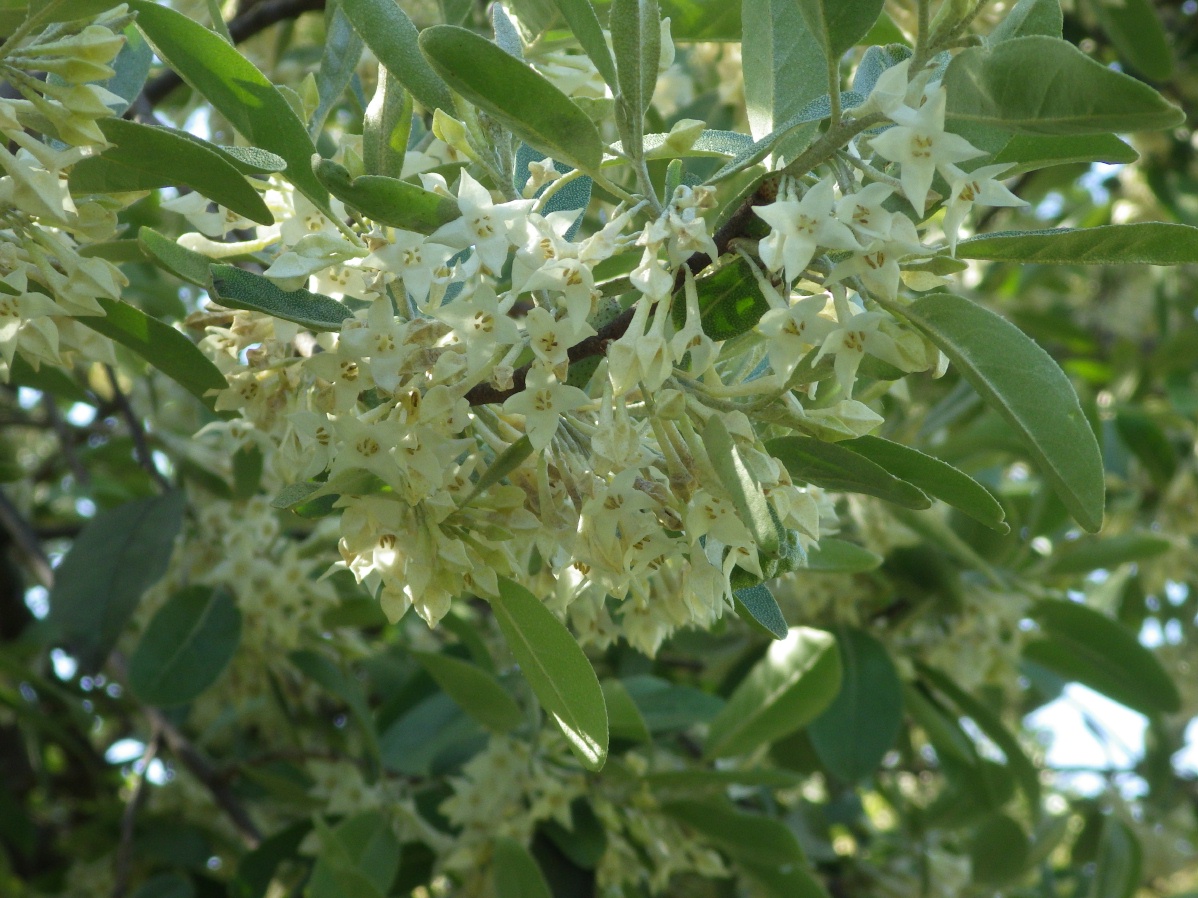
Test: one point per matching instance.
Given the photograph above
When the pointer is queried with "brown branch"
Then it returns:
(124, 853)
(257, 18)
(27, 542)
(736, 225)
(141, 449)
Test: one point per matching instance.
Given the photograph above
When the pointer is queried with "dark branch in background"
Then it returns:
(257, 18)
(27, 543)
(141, 449)
(189, 756)
(124, 852)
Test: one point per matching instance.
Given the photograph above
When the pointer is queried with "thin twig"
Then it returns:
(27, 541)
(257, 18)
(124, 853)
(141, 449)
(66, 441)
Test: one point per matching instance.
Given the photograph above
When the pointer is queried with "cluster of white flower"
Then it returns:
(460, 351)
(45, 283)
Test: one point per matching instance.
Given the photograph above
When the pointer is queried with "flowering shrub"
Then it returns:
(548, 451)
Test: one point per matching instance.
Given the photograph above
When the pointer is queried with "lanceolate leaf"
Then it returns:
(784, 68)
(524, 100)
(1070, 93)
(1081, 644)
(798, 677)
(1117, 872)
(861, 724)
(1135, 29)
(146, 158)
(1092, 553)
(240, 289)
(1140, 243)
(159, 344)
(1028, 152)
(757, 605)
(342, 50)
(1023, 384)
(392, 37)
(183, 263)
(934, 477)
(186, 646)
(236, 89)
(559, 673)
(516, 872)
(636, 38)
(742, 487)
(838, 555)
(832, 467)
(118, 556)
(475, 691)
(730, 301)
(839, 24)
(583, 21)
(745, 837)
(386, 200)
(991, 724)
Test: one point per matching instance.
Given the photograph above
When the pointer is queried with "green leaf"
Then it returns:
(185, 647)
(580, 16)
(358, 859)
(1070, 93)
(555, 667)
(700, 780)
(240, 289)
(840, 556)
(784, 69)
(757, 606)
(1022, 383)
(752, 838)
(516, 872)
(342, 51)
(521, 98)
(1029, 17)
(998, 850)
(509, 460)
(991, 724)
(730, 301)
(1117, 871)
(387, 200)
(1029, 152)
(743, 489)
(166, 885)
(788, 881)
(1079, 643)
(132, 68)
(710, 143)
(254, 160)
(183, 263)
(386, 128)
(832, 467)
(1148, 443)
(936, 478)
(635, 27)
(235, 88)
(787, 689)
(1089, 553)
(941, 729)
(667, 707)
(1136, 31)
(160, 345)
(1140, 243)
(392, 37)
(625, 720)
(146, 158)
(117, 556)
(839, 24)
(329, 676)
(853, 733)
(476, 691)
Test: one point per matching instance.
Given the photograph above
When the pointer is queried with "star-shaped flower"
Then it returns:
(800, 228)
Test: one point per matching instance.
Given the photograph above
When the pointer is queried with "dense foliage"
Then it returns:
(616, 448)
